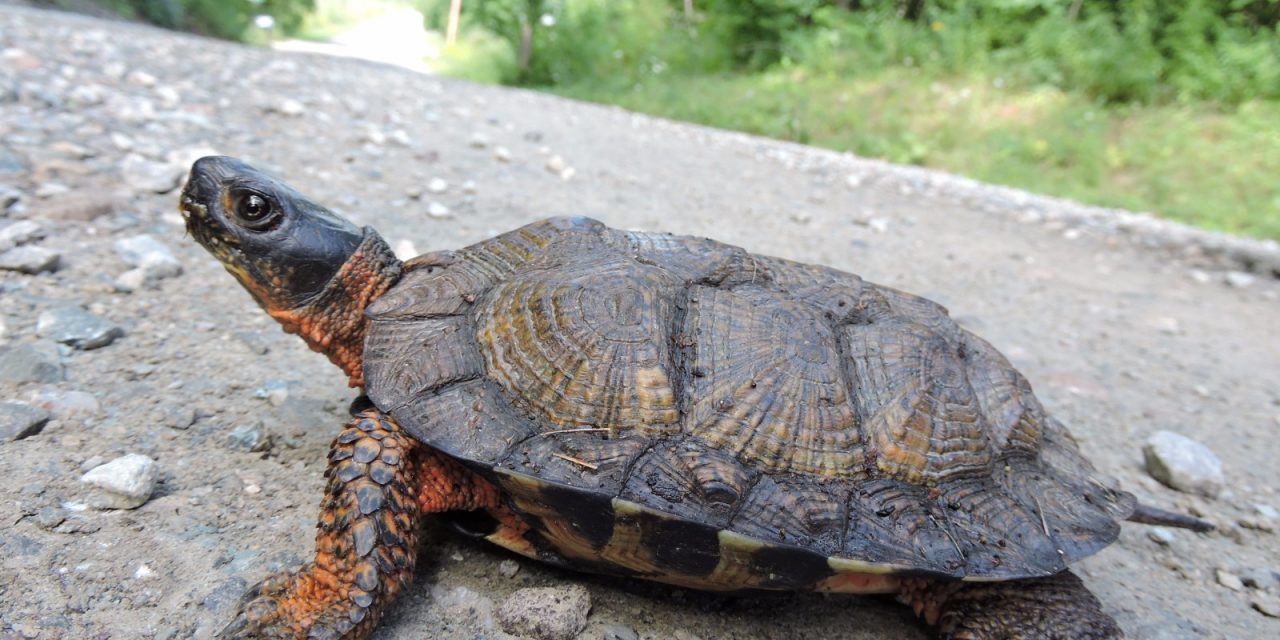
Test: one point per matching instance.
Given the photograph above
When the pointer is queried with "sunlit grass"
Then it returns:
(1210, 166)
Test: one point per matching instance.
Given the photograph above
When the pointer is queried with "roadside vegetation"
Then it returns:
(1167, 106)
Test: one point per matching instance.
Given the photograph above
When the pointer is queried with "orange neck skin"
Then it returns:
(333, 323)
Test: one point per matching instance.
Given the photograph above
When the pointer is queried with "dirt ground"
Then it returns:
(1119, 338)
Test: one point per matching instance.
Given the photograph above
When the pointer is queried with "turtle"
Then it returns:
(661, 407)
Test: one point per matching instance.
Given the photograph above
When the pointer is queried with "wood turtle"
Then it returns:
(661, 407)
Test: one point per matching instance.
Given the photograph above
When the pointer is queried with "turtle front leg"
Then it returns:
(380, 484)
(1055, 608)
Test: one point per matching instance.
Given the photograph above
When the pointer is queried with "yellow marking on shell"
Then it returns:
(730, 540)
(849, 565)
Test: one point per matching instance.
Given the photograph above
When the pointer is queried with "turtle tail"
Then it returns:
(1147, 514)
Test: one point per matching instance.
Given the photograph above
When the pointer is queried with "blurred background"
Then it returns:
(1170, 107)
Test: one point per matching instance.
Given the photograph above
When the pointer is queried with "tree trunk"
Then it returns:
(451, 32)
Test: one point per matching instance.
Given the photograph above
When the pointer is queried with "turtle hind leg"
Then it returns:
(380, 484)
(1058, 607)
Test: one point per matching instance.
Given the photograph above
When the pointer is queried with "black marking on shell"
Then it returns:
(790, 567)
(681, 547)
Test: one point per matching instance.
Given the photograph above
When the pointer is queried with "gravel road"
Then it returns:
(126, 338)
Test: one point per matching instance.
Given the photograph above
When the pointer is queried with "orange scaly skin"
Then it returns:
(334, 323)
(380, 484)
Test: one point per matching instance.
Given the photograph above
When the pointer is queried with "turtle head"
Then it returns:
(281, 246)
(311, 269)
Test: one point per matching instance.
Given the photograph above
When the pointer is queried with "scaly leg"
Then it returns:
(1055, 608)
(380, 484)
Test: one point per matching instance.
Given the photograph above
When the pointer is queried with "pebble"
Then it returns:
(1229, 580)
(48, 518)
(1183, 464)
(508, 568)
(1239, 279)
(502, 154)
(149, 176)
(438, 185)
(1160, 536)
(30, 260)
(65, 403)
(1267, 511)
(154, 259)
(20, 233)
(20, 420)
(36, 362)
(479, 140)
(405, 249)
(437, 210)
(178, 417)
(288, 107)
(1266, 605)
(9, 197)
(249, 437)
(78, 206)
(76, 327)
(275, 392)
(124, 483)
(1261, 579)
(619, 632)
(546, 613)
(51, 189)
(469, 186)
(555, 164)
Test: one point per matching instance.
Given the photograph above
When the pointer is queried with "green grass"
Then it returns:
(1210, 166)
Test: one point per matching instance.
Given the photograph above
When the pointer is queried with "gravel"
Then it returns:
(30, 260)
(1085, 319)
(76, 327)
(20, 420)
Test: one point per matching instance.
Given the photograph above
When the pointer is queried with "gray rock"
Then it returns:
(31, 260)
(1261, 579)
(1267, 511)
(152, 256)
(508, 568)
(19, 420)
(65, 403)
(9, 197)
(78, 328)
(274, 392)
(49, 518)
(249, 437)
(20, 233)
(38, 362)
(178, 417)
(1160, 536)
(1239, 279)
(619, 632)
(546, 613)
(225, 596)
(149, 176)
(124, 483)
(51, 189)
(1266, 605)
(1183, 464)
(1229, 580)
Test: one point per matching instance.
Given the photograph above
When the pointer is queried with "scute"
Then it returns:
(682, 410)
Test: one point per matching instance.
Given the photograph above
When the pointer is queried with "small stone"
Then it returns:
(1257, 524)
(469, 187)
(145, 252)
(1183, 464)
(404, 249)
(133, 280)
(479, 140)
(1168, 326)
(375, 135)
(1199, 276)
(681, 634)
(254, 341)
(878, 225)
(1266, 511)
(619, 632)
(502, 154)
(48, 518)
(143, 572)
(1160, 536)
(79, 206)
(148, 176)
(178, 417)
(9, 197)
(555, 164)
(400, 137)
(546, 613)
(1229, 580)
(288, 107)
(275, 392)
(141, 78)
(1239, 279)
(76, 327)
(438, 185)
(1261, 579)
(30, 260)
(20, 233)
(248, 437)
(51, 189)
(65, 403)
(508, 568)
(437, 210)
(1266, 605)
(38, 362)
(20, 420)
(124, 483)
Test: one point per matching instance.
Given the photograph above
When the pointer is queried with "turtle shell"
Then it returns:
(683, 410)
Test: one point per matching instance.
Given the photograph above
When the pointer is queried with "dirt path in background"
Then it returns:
(99, 118)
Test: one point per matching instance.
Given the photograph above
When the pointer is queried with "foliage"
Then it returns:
(228, 19)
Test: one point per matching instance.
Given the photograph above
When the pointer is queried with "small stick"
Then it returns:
(574, 460)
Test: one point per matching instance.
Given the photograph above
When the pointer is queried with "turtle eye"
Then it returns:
(253, 209)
